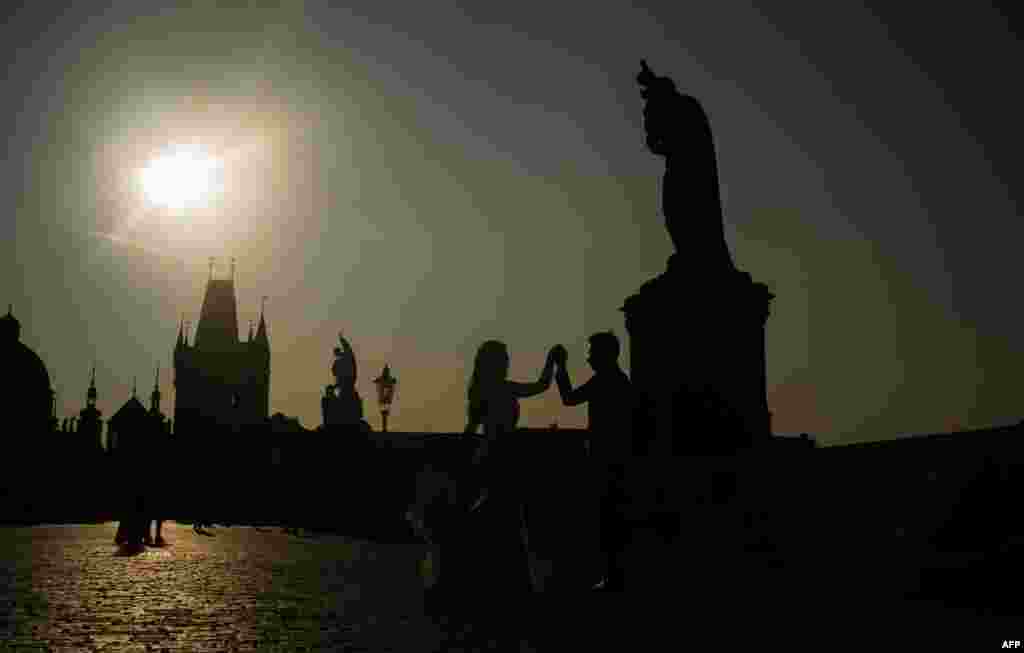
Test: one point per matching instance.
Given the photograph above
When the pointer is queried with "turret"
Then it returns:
(219, 378)
(260, 348)
(180, 344)
(89, 423)
(90, 395)
(154, 397)
(262, 340)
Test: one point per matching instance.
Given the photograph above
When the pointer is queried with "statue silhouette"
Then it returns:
(344, 367)
(677, 128)
(341, 403)
(720, 341)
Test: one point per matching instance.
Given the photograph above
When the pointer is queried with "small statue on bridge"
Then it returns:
(341, 403)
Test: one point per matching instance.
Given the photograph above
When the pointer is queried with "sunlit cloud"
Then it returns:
(136, 244)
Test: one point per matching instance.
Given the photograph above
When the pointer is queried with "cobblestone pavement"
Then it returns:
(65, 588)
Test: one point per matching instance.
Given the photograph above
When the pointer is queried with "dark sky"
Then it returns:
(425, 176)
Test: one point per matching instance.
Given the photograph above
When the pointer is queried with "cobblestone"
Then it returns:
(65, 588)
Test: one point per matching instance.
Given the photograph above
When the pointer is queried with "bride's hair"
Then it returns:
(490, 368)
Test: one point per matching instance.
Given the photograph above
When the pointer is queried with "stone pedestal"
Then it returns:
(697, 360)
(341, 408)
(688, 524)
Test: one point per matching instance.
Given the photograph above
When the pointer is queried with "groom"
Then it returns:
(609, 398)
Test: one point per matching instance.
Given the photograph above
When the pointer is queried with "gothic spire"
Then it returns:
(261, 330)
(90, 395)
(154, 397)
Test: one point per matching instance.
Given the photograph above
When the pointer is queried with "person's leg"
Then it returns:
(610, 540)
(593, 573)
(614, 529)
(479, 476)
(140, 525)
(426, 491)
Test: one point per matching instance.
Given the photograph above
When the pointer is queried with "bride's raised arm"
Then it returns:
(523, 390)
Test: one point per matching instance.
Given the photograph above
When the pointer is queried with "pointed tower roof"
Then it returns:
(261, 330)
(131, 412)
(218, 318)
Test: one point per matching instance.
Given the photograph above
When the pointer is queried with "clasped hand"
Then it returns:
(559, 354)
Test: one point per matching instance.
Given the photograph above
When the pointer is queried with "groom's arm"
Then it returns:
(569, 396)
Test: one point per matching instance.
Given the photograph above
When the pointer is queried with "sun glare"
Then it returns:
(183, 177)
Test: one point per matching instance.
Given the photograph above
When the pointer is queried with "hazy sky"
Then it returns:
(425, 177)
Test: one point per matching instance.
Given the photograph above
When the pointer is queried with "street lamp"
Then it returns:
(385, 394)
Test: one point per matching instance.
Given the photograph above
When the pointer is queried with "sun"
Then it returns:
(182, 177)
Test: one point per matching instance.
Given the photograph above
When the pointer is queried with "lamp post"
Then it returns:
(385, 394)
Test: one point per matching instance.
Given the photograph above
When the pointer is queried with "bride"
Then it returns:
(496, 521)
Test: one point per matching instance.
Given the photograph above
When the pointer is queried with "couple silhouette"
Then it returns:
(133, 531)
(144, 502)
(477, 522)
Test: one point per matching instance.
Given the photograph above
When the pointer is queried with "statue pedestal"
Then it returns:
(697, 350)
(697, 361)
(342, 409)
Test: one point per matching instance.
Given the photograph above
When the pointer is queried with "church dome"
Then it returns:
(29, 390)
